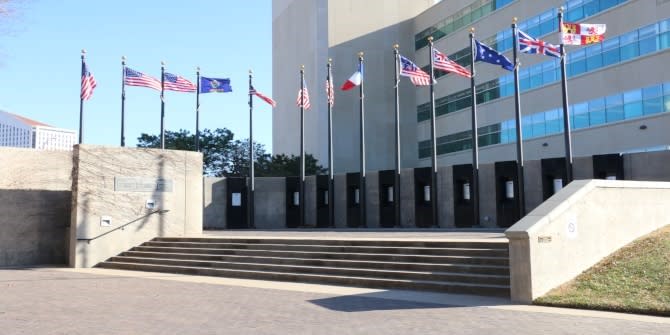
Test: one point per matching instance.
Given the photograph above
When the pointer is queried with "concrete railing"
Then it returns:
(579, 226)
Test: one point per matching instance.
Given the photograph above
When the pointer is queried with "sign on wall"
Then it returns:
(141, 184)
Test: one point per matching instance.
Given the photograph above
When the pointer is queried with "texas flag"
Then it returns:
(354, 80)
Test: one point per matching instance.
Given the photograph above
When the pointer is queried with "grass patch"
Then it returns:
(635, 279)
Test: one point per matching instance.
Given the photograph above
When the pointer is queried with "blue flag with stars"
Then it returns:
(488, 55)
(209, 85)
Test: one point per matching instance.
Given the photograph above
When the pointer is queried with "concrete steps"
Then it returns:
(454, 267)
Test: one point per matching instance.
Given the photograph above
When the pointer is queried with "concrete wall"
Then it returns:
(103, 188)
(271, 202)
(214, 197)
(35, 202)
(577, 227)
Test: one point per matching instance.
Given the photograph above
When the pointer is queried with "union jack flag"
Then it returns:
(532, 45)
(417, 76)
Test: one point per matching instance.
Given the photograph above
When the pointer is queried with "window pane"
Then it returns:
(632, 104)
(653, 105)
(611, 53)
(647, 38)
(594, 59)
(629, 46)
(580, 114)
(614, 108)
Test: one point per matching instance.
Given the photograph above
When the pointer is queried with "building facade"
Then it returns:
(619, 92)
(18, 131)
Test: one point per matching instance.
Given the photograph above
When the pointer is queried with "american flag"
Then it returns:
(330, 92)
(442, 62)
(137, 78)
(532, 45)
(303, 97)
(417, 76)
(177, 83)
(88, 84)
(267, 99)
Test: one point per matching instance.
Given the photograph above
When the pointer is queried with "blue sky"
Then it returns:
(40, 48)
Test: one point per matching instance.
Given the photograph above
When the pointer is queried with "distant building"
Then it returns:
(18, 131)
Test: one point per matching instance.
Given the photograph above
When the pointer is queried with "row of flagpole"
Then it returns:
(577, 34)
(168, 81)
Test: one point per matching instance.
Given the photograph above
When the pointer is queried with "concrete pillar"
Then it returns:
(270, 203)
(214, 211)
(407, 198)
(372, 199)
(340, 200)
(487, 196)
(445, 197)
(582, 168)
(533, 184)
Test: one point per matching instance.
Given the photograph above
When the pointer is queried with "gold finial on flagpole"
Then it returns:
(514, 20)
(472, 29)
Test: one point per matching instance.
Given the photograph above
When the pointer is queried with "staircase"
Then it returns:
(463, 267)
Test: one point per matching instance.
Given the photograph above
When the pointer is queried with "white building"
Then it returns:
(619, 90)
(21, 132)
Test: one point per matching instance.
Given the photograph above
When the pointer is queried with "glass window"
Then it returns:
(611, 52)
(652, 91)
(597, 112)
(538, 125)
(591, 7)
(527, 127)
(549, 73)
(632, 104)
(614, 107)
(576, 63)
(548, 22)
(647, 39)
(605, 4)
(629, 46)
(580, 115)
(594, 58)
(574, 14)
(554, 121)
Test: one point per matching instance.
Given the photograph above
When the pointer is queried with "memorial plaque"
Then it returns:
(141, 184)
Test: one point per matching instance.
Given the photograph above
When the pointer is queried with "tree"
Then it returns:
(223, 156)
(216, 147)
(282, 165)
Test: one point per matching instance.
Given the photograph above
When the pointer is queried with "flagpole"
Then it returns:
(433, 155)
(197, 110)
(331, 173)
(519, 134)
(252, 183)
(123, 100)
(567, 136)
(362, 187)
(396, 180)
(162, 104)
(81, 98)
(301, 199)
(475, 133)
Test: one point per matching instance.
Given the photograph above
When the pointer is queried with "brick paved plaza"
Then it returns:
(98, 301)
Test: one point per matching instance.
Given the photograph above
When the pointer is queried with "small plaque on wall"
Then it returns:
(140, 184)
(236, 199)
